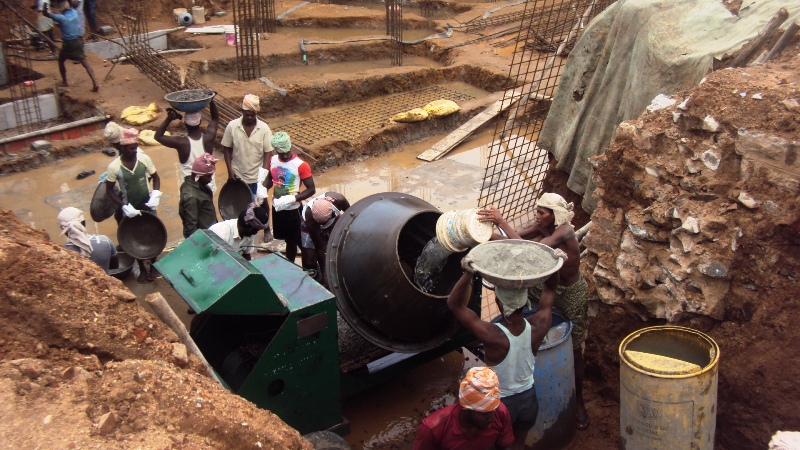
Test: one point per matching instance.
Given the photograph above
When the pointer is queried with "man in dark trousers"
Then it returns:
(197, 201)
(72, 42)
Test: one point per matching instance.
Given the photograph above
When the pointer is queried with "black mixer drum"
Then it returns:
(371, 256)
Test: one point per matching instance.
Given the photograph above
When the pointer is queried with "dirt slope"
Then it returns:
(82, 365)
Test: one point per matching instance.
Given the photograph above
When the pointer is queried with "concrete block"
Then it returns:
(41, 146)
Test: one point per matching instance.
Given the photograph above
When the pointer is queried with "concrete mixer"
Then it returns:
(274, 335)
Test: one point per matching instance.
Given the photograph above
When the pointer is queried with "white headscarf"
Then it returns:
(71, 221)
(511, 299)
(113, 132)
(561, 209)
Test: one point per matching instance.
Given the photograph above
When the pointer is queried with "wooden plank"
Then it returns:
(456, 137)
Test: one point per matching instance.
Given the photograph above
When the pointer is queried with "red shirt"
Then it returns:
(441, 431)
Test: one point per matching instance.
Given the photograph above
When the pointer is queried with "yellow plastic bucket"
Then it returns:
(668, 389)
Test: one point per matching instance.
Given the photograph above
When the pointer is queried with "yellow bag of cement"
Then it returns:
(147, 137)
(414, 115)
(441, 108)
(138, 115)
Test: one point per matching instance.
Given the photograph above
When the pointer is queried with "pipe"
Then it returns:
(62, 127)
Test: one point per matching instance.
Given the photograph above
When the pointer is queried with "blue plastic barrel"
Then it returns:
(554, 378)
(185, 19)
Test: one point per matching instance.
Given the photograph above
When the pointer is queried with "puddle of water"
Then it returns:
(326, 68)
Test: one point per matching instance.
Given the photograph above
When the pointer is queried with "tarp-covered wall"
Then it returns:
(633, 51)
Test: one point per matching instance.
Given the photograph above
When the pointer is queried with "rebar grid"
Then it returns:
(160, 71)
(21, 87)
(266, 16)
(394, 28)
(349, 123)
(246, 20)
(517, 166)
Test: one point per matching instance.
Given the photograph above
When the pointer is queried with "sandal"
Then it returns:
(582, 421)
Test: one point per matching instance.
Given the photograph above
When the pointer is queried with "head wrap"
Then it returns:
(251, 102)
(129, 136)
(480, 390)
(511, 299)
(71, 221)
(561, 209)
(251, 220)
(204, 164)
(281, 142)
(192, 119)
(113, 132)
(322, 209)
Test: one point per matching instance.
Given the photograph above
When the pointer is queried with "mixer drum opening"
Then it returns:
(370, 258)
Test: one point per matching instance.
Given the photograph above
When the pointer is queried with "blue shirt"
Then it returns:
(69, 23)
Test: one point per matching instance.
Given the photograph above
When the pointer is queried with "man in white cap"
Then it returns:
(196, 143)
(96, 247)
(552, 224)
(478, 421)
(510, 345)
(246, 144)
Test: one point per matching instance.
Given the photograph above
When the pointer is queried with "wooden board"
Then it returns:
(456, 137)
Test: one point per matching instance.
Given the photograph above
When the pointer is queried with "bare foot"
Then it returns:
(142, 279)
(95, 88)
(63, 84)
(152, 275)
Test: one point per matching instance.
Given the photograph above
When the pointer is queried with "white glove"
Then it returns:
(262, 175)
(155, 197)
(130, 211)
(284, 202)
(261, 193)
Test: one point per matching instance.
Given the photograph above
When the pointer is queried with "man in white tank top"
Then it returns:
(510, 346)
(195, 143)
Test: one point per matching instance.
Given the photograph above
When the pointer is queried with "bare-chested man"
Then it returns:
(552, 224)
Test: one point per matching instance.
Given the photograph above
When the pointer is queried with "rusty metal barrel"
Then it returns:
(370, 259)
(668, 389)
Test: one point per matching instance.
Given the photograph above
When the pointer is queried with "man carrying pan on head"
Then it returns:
(552, 223)
(195, 143)
(511, 345)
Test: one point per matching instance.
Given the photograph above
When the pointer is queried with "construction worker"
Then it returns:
(72, 42)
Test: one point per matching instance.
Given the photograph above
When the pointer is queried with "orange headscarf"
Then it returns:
(480, 390)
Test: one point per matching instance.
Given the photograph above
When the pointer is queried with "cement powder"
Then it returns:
(429, 266)
(512, 261)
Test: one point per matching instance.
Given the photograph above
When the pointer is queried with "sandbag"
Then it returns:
(147, 137)
(414, 115)
(441, 108)
(138, 115)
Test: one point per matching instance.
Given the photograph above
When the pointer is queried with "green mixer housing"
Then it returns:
(272, 333)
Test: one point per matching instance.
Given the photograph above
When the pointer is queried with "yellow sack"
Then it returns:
(138, 115)
(147, 137)
(414, 115)
(441, 108)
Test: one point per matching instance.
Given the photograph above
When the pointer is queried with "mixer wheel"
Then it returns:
(327, 440)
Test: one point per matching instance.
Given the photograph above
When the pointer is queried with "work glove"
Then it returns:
(261, 193)
(155, 196)
(130, 211)
(284, 202)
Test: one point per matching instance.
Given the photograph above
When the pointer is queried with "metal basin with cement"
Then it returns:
(515, 263)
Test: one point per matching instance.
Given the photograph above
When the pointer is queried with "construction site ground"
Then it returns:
(82, 365)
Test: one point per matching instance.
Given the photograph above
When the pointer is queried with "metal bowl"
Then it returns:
(125, 266)
(101, 207)
(201, 100)
(142, 237)
(233, 198)
(515, 263)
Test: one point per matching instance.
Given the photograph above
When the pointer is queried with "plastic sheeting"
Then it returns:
(633, 51)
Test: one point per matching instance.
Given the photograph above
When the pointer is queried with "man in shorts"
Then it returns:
(72, 42)
(286, 172)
